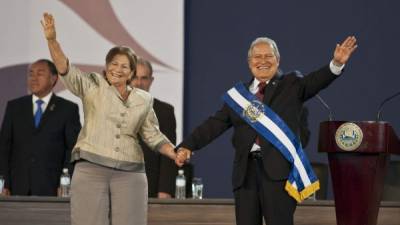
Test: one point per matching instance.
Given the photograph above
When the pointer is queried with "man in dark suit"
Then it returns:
(160, 170)
(37, 136)
(260, 170)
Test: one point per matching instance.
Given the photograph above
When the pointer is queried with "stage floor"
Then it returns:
(55, 211)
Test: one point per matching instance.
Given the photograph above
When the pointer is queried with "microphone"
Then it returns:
(320, 99)
(378, 116)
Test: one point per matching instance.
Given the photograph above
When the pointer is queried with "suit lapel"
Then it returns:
(270, 90)
(49, 110)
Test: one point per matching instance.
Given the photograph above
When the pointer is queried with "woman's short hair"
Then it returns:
(123, 50)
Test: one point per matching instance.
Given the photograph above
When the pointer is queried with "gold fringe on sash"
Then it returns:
(305, 193)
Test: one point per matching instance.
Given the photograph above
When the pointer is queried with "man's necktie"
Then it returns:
(39, 112)
(261, 90)
(260, 96)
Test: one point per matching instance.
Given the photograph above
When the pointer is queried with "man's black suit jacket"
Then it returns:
(31, 159)
(285, 95)
(160, 170)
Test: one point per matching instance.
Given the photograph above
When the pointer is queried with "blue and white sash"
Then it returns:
(302, 181)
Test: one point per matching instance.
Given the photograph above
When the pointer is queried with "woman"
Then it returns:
(109, 185)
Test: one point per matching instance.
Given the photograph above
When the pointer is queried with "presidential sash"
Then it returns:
(302, 181)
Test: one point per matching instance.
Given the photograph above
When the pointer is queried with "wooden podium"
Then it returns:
(358, 154)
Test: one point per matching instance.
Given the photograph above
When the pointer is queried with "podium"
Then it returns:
(358, 154)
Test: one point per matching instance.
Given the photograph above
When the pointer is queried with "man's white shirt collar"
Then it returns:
(254, 86)
(45, 99)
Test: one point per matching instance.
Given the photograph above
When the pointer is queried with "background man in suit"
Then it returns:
(260, 171)
(37, 136)
(160, 170)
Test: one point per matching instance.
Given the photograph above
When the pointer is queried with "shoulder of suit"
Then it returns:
(162, 103)
(290, 76)
(64, 101)
(25, 98)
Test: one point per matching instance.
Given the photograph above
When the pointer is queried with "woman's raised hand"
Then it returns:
(49, 27)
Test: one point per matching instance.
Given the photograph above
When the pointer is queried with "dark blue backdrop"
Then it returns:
(218, 34)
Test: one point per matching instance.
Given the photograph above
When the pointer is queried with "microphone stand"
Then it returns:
(326, 106)
(378, 116)
(330, 117)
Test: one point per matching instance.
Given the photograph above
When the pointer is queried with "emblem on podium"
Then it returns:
(349, 136)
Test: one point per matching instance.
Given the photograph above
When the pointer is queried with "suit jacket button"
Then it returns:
(117, 149)
(117, 136)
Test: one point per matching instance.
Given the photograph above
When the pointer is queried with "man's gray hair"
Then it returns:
(266, 41)
(146, 63)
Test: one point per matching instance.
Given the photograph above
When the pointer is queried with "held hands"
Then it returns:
(343, 51)
(182, 156)
(48, 25)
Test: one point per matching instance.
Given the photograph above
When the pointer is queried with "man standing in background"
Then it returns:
(160, 170)
(37, 135)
